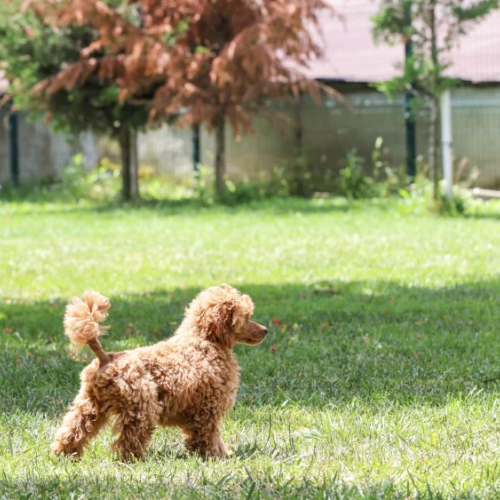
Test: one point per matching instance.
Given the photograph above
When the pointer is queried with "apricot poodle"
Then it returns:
(189, 381)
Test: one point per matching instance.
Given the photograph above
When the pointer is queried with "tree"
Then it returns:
(436, 27)
(210, 61)
(34, 53)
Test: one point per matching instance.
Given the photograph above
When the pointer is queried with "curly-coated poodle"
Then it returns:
(189, 381)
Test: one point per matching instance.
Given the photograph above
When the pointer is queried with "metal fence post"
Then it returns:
(411, 137)
(14, 147)
(196, 147)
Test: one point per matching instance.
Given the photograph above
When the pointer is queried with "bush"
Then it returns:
(388, 178)
(291, 178)
(354, 183)
(294, 177)
(235, 193)
(450, 206)
(204, 183)
(101, 184)
(242, 192)
(75, 184)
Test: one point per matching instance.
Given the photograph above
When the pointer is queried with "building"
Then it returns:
(351, 64)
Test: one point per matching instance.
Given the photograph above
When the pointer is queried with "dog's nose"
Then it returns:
(266, 331)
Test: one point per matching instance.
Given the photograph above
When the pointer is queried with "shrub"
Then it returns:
(204, 185)
(353, 181)
(450, 206)
(389, 179)
(295, 176)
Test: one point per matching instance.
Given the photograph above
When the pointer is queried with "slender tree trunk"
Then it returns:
(130, 164)
(220, 154)
(433, 129)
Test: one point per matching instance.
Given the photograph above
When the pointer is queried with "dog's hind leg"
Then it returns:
(136, 422)
(134, 438)
(82, 422)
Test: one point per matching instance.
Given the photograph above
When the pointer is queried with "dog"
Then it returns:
(188, 381)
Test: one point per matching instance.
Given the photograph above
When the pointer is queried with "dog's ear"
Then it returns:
(244, 307)
(217, 323)
(217, 312)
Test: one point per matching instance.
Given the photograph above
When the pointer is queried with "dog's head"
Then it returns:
(221, 314)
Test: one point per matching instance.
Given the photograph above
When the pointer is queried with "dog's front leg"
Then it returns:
(205, 439)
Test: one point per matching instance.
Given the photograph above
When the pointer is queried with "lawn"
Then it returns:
(380, 377)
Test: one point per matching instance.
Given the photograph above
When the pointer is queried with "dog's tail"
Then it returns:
(81, 322)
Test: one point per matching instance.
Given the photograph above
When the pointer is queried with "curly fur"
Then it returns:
(82, 318)
(189, 381)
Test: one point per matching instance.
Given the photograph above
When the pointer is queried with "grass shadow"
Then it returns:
(329, 343)
(184, 206)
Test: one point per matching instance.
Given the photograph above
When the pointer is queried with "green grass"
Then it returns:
(380, 377)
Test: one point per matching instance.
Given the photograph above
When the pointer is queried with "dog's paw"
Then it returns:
(59, 450)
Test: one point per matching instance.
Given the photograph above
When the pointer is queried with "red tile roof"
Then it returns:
(351, 54)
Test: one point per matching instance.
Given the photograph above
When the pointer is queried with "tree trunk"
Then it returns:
(130, 164)
(220, 154)
(433, 158)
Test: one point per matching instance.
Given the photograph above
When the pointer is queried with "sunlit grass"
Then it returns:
(380, 377)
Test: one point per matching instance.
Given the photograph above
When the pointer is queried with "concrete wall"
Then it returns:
(329, 132)
(42, 154)
(476, 131)
(258, 153)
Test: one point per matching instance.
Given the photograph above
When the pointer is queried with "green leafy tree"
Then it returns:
(434, 26)
(33, 53)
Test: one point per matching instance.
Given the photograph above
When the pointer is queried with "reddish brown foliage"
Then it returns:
(209, 58)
